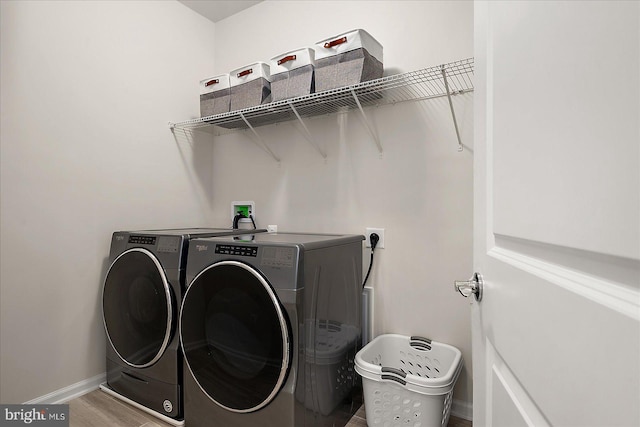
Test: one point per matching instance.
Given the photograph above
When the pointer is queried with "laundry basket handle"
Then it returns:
(394, 374)
(394, 371)
(420, 343)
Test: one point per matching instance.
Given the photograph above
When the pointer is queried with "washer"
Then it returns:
(141, 297)
(270, 328)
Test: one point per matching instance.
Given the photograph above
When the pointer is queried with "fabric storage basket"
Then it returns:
(215, 95)
(408, 381)
(347, 59)
(292, 74)
(329, 369)
(250, 86)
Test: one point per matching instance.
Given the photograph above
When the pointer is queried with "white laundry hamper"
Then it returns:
(408, 381)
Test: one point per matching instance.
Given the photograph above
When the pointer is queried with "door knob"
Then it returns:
(471, 286)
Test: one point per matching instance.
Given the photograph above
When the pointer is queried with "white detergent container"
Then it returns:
(292, 74)
(347, 59)
(215, 95)
(408, 381)
(250, 86)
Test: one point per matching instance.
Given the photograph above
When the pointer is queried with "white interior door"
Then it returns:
(556, 337)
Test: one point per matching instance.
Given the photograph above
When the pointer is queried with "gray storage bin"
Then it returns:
(250, 86)
(347, 59)
(292, 74)
(215, 95)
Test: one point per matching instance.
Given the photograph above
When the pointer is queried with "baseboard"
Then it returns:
(462, 409)
(459, 408)
(65, 394)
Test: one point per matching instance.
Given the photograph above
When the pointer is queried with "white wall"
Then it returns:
(420, 191)
(87, 90)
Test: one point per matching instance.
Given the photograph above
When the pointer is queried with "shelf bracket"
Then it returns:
(373, 133)
(306, 132)
(453, 113)
(260, 142)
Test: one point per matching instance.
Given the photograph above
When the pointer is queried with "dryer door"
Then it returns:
(235, 336)
(137, 307)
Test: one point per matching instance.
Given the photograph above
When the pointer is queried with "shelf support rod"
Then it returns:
(308, 134)
(262, 144)
(453, 113)
(374, 135)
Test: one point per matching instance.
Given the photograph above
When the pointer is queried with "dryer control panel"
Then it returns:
(237, 250)
(142, 240)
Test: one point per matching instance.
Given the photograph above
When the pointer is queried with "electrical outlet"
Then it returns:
(272, 228)
(379, 232)
(245, 207)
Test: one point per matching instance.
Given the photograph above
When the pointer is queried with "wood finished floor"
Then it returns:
(98, 409)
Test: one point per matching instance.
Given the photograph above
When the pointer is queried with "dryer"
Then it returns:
(269, 330)
(141, 298)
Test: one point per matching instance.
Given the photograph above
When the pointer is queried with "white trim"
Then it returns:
(501, 379)
(459, 408)
(609, 294)
(104, 387)
(462, 409)
(367, 318)
(70, 392)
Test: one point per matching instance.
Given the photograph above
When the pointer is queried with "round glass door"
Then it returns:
(137, 307)
(235, 336)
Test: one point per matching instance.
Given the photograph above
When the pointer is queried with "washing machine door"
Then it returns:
(138, 308)
(235, 336)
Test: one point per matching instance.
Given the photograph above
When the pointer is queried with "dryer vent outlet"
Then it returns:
(244, 207)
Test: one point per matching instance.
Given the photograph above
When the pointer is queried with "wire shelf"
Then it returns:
(412, 86)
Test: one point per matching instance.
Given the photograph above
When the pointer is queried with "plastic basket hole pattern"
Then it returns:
(413, 363)
(388, 404)
(340, 376)
(396, 410)
(377, 360)
(345, 376)
(446, 410)
(419, 365)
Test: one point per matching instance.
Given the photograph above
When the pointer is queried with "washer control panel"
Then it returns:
(142, 240)
(237, 250)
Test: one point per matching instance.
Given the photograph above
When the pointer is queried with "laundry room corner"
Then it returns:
(87, 148)
(418, 187)
(87, 91)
